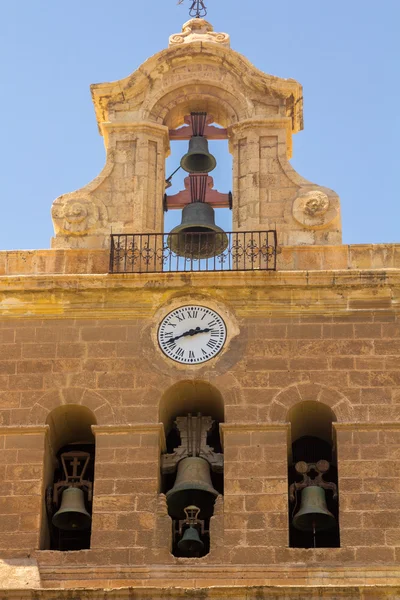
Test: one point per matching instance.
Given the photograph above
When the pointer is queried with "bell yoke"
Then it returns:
(198, 236)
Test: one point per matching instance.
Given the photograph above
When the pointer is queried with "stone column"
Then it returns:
(255, 492)
(269, 194)
(22, 501)
(258, 146)
(139, 151)
(126, 513)
(369, 498)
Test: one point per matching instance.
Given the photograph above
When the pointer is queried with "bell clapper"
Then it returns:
(314, 534)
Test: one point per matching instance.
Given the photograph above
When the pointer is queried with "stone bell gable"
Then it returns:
(136, 115)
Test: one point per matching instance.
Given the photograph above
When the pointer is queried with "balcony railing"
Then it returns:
(188, 252)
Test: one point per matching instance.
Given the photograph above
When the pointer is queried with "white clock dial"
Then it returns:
(191, 334)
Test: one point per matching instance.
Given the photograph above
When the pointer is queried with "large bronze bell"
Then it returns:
(72, 515)
(313, 513)
(190, 543)
(199, 237)
(192, 486)
(198, 159)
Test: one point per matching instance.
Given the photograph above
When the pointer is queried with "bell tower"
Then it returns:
(137, 116)
(199, 413)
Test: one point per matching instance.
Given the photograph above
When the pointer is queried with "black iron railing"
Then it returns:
(190, 251)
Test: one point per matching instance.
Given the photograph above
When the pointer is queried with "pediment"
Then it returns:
(204, 75)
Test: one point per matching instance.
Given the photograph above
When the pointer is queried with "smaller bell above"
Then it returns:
(198, 158)
(72, 515)
(191, 544)
(313, 513)
(199, 237)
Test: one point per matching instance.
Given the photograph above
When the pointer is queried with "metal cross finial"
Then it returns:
(197, 9)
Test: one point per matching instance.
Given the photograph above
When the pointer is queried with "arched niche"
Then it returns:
(191, 412)
(190, 396)
(312, 439)
(70, 431)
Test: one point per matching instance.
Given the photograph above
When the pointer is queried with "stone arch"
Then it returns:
(170, 106)
(315, 392)
(70, 423)
(90, 399)
(190, 396)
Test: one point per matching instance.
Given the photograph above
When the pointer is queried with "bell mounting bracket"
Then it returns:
(306, 470)
(198, 186)
(74, 465)
(209, 131)
(193, 430)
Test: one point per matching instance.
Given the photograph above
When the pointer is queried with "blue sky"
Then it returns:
(345, 53)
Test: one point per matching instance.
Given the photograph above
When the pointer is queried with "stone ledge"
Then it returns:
(290, 258)
(286, 592)
(222, 576)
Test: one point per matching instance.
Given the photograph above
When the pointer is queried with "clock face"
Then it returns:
(191, 334)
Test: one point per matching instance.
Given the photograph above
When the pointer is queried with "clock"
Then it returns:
(192, 334)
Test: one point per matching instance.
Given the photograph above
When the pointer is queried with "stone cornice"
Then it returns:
(129, 428)
(258, 126)
(157, 428)
(243, 427)
(146, 127)
(367, 425)
(23, 429)
(136, 295)
(354, 278)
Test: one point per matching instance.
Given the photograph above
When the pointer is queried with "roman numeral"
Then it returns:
(211, 344)
(191, 354)
(212, 323)
(181, 317)
(214, 332)
(192, 314)
(204, 352)
(180, 352)
(171, 346)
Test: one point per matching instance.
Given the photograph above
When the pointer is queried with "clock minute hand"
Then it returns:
(201, 331)
(191, 332)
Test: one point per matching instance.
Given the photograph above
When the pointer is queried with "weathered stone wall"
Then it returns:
(333, 343)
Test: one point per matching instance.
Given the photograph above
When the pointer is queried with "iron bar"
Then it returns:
(151, 253)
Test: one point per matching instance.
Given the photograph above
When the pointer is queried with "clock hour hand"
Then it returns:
(191, 332)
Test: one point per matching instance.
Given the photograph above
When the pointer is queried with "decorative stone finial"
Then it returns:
(199, 30)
